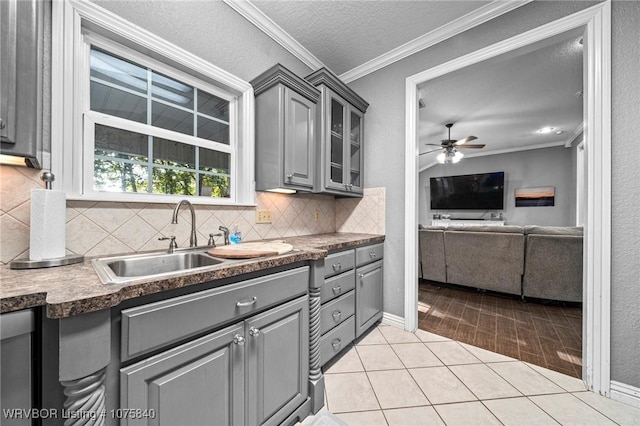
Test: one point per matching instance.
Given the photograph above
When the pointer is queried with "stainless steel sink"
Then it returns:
(121, 269)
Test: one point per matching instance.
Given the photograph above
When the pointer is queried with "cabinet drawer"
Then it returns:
(337, 339)
(369, 254)
(148, 327)
(337, 285)
(337, 263)
(336, 311)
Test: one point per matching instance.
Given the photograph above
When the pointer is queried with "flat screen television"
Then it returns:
(483, 191)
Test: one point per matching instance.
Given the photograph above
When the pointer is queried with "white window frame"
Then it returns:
(78, 25)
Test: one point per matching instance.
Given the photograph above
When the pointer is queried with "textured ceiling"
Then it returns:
(504, 101)
(345, 34)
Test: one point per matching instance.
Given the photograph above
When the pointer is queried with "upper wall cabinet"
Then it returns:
(21, 85)
(341, 147)
(285, 131)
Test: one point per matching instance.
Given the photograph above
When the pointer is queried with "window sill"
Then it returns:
(157, 199)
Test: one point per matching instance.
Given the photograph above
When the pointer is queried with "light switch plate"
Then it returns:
(263, 216)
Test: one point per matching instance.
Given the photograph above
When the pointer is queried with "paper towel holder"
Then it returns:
(47, 178)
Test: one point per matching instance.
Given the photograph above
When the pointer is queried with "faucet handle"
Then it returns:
(225, 231)
(172, 244)
(212, 242)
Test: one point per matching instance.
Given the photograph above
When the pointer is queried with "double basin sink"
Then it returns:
(123, 269)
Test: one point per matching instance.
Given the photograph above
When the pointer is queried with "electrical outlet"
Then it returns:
(263, 216)
(316, 215)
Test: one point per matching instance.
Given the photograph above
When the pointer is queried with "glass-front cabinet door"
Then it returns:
(356, 128)
(345, 128)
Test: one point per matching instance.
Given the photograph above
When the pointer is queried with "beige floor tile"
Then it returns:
(415, 355)
(397, 335)
(485, 355)
(363, 418)
(373, 337)
(465, 414)
(379, 357)
(518, 411)
(567, 383)
(525, 379)
(484, 382)
(617, 411)
(568, 410)
(349, 362)
(425, 336)
(440, 385)
(415, 416)
(349, 392)
(396, 389)
(452, 353)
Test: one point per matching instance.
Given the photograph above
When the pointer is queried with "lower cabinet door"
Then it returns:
(199, 383)
(369, 281)
(277, 362)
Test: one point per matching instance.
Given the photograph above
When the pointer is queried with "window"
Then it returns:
(152, 127)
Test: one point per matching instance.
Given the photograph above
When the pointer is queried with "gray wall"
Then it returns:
(211, 30)
(524, 169)
(625, 284)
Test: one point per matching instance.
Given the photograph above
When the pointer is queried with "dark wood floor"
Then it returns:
(544, 334)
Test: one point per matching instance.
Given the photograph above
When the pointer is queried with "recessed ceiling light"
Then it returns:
(559, 132)
(546, 130)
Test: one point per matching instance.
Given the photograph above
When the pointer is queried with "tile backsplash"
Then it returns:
(104, 228)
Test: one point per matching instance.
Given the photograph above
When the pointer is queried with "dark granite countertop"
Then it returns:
(76, 289)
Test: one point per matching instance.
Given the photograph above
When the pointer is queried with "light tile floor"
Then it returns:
(392, 377)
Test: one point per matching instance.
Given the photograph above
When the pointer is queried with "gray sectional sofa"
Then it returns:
(532, 261)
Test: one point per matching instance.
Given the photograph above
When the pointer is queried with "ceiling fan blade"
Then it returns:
(465, 140)
(429, 152)
(477, 146)
(433, 144)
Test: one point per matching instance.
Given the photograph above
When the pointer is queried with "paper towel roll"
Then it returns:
(48, 222)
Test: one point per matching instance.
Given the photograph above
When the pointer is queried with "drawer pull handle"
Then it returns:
(337, 289)
(253, 300)
(336, 266)
(336, 343)
(372, 254)
(254, 332)
(238, 340)
(336, 316)
(361, 276)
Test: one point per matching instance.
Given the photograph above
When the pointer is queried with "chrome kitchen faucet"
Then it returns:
(193, 240)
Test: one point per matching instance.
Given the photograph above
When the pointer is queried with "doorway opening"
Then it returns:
(597, 143)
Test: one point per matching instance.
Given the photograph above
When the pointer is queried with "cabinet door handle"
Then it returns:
(336, 343)
(372, 254)
(2, 124)
(253, 300)
(336, 316)
(337, 289)
(361, 276)
(290, 176)
(254, 332)
(238, 340)
(336, 266)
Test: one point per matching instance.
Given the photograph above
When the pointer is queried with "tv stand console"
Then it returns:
(466, 222)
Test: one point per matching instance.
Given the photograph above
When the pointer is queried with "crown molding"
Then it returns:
(279, 74)
(457, 26)
(576, 132)
(254, 15)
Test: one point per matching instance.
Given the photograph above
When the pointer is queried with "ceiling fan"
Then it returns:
(450, 147)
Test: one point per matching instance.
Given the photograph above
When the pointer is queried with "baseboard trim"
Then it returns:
(626, 394)
(394, 320)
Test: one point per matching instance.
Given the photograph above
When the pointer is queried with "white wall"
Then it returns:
(524, 169)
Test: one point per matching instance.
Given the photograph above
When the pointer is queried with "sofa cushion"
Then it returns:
(431, 244)
(553, 230)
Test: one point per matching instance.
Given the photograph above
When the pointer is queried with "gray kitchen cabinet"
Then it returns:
(255, 371)
(15, 356)
(285, 131)
(369, 282)
(341, 147)
(22, 50)
(199, 383)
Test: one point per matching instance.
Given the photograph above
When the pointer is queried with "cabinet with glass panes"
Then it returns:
(341, 147)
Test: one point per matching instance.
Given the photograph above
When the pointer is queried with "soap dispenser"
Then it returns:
(236, 235)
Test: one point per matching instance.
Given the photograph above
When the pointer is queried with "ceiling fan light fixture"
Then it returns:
(457, 157)
(441, 158)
